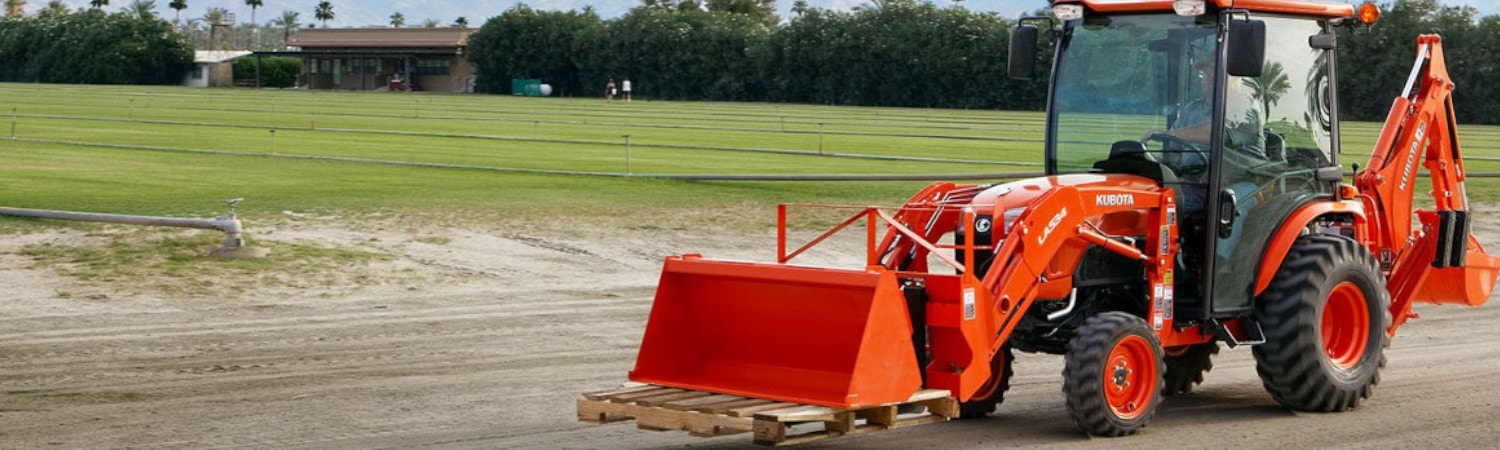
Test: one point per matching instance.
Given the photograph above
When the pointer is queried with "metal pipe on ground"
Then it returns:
(234, 240)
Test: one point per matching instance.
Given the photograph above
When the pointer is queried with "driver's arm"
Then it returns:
(1199, 133)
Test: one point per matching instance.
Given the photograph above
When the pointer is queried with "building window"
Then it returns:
(198, 73)
(355, 66)
(433, 66)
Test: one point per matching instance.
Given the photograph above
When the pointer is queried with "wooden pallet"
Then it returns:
(707, 414)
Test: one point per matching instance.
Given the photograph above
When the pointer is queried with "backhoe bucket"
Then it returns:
(1469, 285)
(831, 337)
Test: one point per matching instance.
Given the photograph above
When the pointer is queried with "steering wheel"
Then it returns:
(1179, 153)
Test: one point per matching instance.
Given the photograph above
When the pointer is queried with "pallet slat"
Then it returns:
(620, 390)
(708, 414)
(750, 410)
(659, 400)
(697, 404)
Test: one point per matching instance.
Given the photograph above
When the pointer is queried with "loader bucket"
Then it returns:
(831, 337)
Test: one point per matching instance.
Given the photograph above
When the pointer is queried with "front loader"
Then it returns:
(1194, 198)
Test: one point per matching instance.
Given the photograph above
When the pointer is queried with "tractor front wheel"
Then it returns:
(993, 392)
(1186, 366)
(1112, 378)
(1325, 317)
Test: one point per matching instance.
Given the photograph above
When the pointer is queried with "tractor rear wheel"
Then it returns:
(1112, 378)
(1325, 317)
(993, 392)
(1186, 366)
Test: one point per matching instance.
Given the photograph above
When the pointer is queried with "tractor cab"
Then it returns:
(1233, 111)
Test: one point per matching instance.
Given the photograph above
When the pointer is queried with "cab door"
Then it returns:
(1275, 134)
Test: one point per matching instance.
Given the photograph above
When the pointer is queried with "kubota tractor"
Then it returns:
(1194, 197)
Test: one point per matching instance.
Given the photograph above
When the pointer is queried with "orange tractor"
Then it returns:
(1194, 197)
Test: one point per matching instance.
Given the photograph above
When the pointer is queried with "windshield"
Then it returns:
(1127, 78)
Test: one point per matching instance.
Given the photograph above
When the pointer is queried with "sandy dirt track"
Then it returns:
(490, 346)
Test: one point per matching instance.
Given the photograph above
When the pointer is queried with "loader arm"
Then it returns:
(931, 213)
(1440, 263)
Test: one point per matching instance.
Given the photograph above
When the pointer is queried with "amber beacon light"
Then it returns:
(1369, 13)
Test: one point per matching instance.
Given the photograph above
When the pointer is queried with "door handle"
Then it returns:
(1227, 213)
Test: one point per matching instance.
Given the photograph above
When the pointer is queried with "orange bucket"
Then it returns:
(1468, 285)
(830, 337)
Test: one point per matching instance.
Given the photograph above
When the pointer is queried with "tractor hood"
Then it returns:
(1017, 195)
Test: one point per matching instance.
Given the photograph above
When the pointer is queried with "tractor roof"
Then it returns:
(1295, 7)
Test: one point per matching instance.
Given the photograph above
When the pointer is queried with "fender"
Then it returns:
(1281, 242)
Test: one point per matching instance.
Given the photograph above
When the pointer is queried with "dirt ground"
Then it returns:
(485, 338)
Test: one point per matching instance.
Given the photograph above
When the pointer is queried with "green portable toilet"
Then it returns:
(529, 87)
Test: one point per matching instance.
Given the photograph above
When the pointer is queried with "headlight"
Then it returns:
(1189, 8)
(1068, 11)
(1010, 217)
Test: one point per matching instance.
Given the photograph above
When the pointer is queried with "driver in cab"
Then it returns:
(1186, 142)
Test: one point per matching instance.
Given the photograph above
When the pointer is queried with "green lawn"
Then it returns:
(178, 151)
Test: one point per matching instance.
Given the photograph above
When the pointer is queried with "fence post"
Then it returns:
(627, 153)
(820, 138)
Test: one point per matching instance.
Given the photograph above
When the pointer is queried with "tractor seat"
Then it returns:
(1130, 157)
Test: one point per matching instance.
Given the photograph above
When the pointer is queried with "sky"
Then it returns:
(352, 13)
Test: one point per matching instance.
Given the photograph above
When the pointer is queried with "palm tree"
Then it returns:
(255, 29)
(324, 12)
(462, 22)
(144, 9)
(98, 3)
(288, 23)
(398, 20)
(178, 5)
(54, 7)
(762, 10)
(13, 8)
(799, 7)
(1269, 86)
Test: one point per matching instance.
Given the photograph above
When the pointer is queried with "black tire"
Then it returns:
(993, 391)
(1187, 368)
(1113, 375)
(1311, 362)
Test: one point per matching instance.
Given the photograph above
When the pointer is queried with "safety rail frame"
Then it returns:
(874, 215)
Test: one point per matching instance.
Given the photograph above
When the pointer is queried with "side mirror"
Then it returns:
(1247, 48)
(1323, 41)
(1023, 51)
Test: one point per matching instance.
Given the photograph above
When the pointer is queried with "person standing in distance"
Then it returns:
(625, 87)
(609, 91)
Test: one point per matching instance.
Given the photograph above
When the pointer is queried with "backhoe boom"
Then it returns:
(1431, 264)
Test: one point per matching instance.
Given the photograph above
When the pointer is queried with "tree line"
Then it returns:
(1374, 63)
(903, 53)
(57, 45)
(898, 53)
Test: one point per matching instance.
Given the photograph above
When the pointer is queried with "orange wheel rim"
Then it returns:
(997, 370)
(1130, 377)
(1346, 326)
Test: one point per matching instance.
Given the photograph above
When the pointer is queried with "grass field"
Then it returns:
(178, 151)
